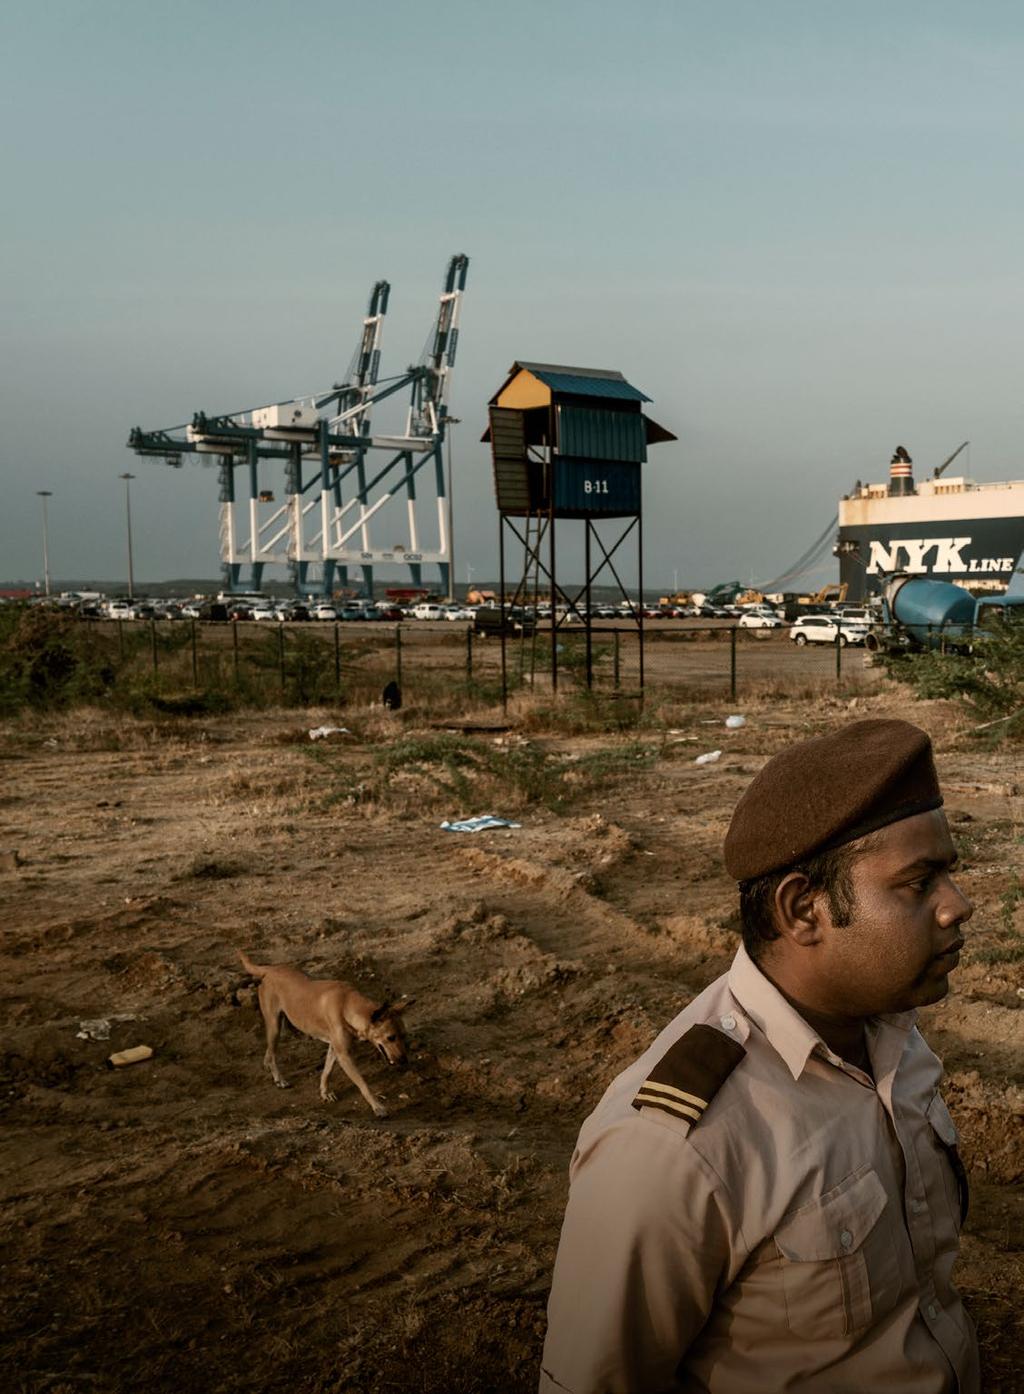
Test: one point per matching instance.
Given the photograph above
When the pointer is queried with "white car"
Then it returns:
(427, 612)
(825, 629)
(756, 620)
(323, 612)
(120, 610)
(264, 612)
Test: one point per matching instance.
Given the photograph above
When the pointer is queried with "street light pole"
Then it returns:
(451, 421)
(45, 494)
(128, 510)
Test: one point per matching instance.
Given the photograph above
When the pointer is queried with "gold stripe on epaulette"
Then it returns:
(676, 1093)
(670, 1105)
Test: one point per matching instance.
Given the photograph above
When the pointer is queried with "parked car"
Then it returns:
(427, 611)
(825, 629)
(757, 620)
(491, 620)
(323, 612)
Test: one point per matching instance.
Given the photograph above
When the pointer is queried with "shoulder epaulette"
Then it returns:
(690, 1073)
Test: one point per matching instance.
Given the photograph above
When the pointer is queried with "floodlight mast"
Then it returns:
(327, 437)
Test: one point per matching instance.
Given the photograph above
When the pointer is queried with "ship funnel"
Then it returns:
(901, 473)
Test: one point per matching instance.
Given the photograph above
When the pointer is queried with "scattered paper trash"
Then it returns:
(320, 733)
(476, 825)
(707, 759)
(99, 1029)
(733, 723)
(132, 1056)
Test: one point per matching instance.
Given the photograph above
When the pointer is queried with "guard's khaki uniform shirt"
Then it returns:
(799, 1237)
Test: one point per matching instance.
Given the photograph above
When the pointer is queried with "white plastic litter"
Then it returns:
(708, 759)
(476, 825)
(735, 722)
(99, 1028)
(319, 732)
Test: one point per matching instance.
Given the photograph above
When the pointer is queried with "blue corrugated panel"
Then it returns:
(590, 387)
(607, 488)
(592, 434)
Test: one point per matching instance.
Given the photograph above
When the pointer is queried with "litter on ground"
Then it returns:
(708, 758)
(478, 824)
(735, 722)
(132, 1056)
(319, 733)
(99, 1028)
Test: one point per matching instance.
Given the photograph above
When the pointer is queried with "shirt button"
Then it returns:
(846, 1238)
(933, 1311)
(727, 1023)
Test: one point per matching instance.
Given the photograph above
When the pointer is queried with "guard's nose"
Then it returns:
(957, 908)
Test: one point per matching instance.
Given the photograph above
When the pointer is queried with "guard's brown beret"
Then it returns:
(828, 791)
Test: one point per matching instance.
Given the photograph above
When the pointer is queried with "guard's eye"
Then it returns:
(923, 883)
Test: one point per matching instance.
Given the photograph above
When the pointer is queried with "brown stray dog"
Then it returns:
(333, 1012)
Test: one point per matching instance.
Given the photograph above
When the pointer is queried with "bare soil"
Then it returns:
(182, 1223)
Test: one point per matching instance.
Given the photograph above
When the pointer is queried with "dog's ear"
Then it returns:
(379, 1013)
(402, 1006)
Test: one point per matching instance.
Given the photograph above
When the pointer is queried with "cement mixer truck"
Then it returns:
(919, 613)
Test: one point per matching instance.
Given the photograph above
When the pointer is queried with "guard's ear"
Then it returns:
(797, 910)
(379, 1013)
(402, 1006)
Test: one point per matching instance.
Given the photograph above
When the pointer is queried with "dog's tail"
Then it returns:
(255, 970)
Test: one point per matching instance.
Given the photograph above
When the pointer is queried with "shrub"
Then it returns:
(987, 677)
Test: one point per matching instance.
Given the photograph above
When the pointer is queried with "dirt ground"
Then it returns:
(182, 1223)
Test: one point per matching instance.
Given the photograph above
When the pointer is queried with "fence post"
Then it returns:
(398, 654)
(280, 652)
(839, 654)
(732, 663)
(234, 645)
(615, 662)
(337, 656)
(469, 653)
(120, 639)
(152, 643)
(195, 658)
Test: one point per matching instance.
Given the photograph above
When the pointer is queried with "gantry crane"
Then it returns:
(333, 489)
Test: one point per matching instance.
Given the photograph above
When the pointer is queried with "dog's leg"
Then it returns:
(328, 1095)
(273, 1024)
(352, 1070)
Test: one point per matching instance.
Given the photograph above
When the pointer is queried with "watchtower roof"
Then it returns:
(564, 380)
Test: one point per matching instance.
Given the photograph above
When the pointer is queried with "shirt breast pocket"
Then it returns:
(839, 1266)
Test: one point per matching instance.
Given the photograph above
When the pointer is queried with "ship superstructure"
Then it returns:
(953, 528)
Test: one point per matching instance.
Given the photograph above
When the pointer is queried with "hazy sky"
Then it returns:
(796, 226)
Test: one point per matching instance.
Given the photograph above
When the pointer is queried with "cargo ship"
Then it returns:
(949, 528)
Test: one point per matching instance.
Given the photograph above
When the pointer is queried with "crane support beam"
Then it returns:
(328, 434)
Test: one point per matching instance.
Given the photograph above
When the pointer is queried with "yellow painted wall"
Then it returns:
(525, 391)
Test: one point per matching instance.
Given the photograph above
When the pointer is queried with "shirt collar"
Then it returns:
(783, 1026)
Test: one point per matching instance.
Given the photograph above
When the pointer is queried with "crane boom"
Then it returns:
(940, 469)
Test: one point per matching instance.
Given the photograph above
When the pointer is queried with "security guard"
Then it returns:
(770, 1198)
